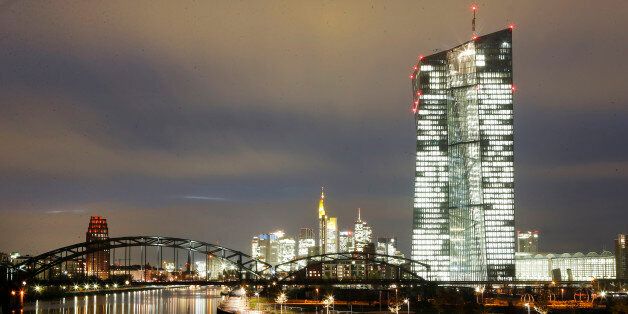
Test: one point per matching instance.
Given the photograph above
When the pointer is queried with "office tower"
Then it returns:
(362, 234)
(306, 242)
(528, 242)
(287, 250)
(322, 224)
(265, 247)
(331, 242)
(621, 256)
(327, 229)
(345, 241)
(256, 248)
(97, 263)
(386, 246)
(463, 218)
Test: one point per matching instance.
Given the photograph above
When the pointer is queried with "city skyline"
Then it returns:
(354, 237)
(104, 117)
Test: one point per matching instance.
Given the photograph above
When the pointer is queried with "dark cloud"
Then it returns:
(218, 115)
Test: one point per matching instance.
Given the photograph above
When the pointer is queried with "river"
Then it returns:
(167, 300)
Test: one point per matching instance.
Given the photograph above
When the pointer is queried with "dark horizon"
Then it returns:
(220, 121)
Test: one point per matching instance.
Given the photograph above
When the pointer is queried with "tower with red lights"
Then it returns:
(463, 213)
(97, 263)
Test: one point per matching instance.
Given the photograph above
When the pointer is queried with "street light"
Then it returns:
(407, 301)
(281, 299)
(327, 302)
(527, 305)
(257, 300)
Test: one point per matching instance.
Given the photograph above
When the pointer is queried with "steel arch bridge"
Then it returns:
(300, 270)
(246, 266)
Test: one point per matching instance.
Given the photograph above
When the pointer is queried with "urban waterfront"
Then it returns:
(257, 158)
(163, 300)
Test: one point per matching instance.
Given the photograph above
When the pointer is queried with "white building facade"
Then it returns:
(565, 267)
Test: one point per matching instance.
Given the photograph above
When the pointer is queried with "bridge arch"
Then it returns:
(404, 269)
(247, 266)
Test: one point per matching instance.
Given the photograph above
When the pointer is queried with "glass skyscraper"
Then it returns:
(463, 222)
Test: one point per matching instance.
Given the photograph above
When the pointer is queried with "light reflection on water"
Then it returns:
(171, 300)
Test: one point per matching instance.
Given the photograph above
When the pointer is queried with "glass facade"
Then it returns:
(463, 222)
(565, 267)
(528, 242)
(331, 236)
(345, 241)
(362, 235)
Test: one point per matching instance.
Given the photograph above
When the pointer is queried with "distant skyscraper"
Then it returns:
(306, 242)
(327, 229)
(463, 224)
(322, 223)
(331, 242)
(266, 247)
(287, 250)
(528, 242)
(621, 256)
(256, 249)
(388, 246)
(345, 241)
(362, 234)
(97, 264)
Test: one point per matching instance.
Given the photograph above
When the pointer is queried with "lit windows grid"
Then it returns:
(576, 266)
(496, 129)
(431, 221)
(481, 72)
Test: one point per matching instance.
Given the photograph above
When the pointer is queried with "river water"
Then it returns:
(167, 300)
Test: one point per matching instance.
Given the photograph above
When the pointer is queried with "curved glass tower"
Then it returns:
(463, 222)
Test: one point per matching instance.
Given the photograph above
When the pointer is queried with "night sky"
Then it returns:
(216, 121)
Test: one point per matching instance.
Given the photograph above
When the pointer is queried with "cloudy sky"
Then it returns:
(218, 120)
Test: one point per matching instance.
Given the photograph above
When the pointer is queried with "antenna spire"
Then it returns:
(474, 8)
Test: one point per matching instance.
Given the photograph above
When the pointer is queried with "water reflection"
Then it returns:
(170, 300)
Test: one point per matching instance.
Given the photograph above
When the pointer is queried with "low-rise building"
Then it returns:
(565, 267)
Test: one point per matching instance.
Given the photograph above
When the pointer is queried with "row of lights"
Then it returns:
(76, 287)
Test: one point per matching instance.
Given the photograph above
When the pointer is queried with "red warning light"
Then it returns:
(513, 88)
(474, 37)
(412, 76)
(511, 26)
(421, 57)
(474, 7)
(415, 106)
